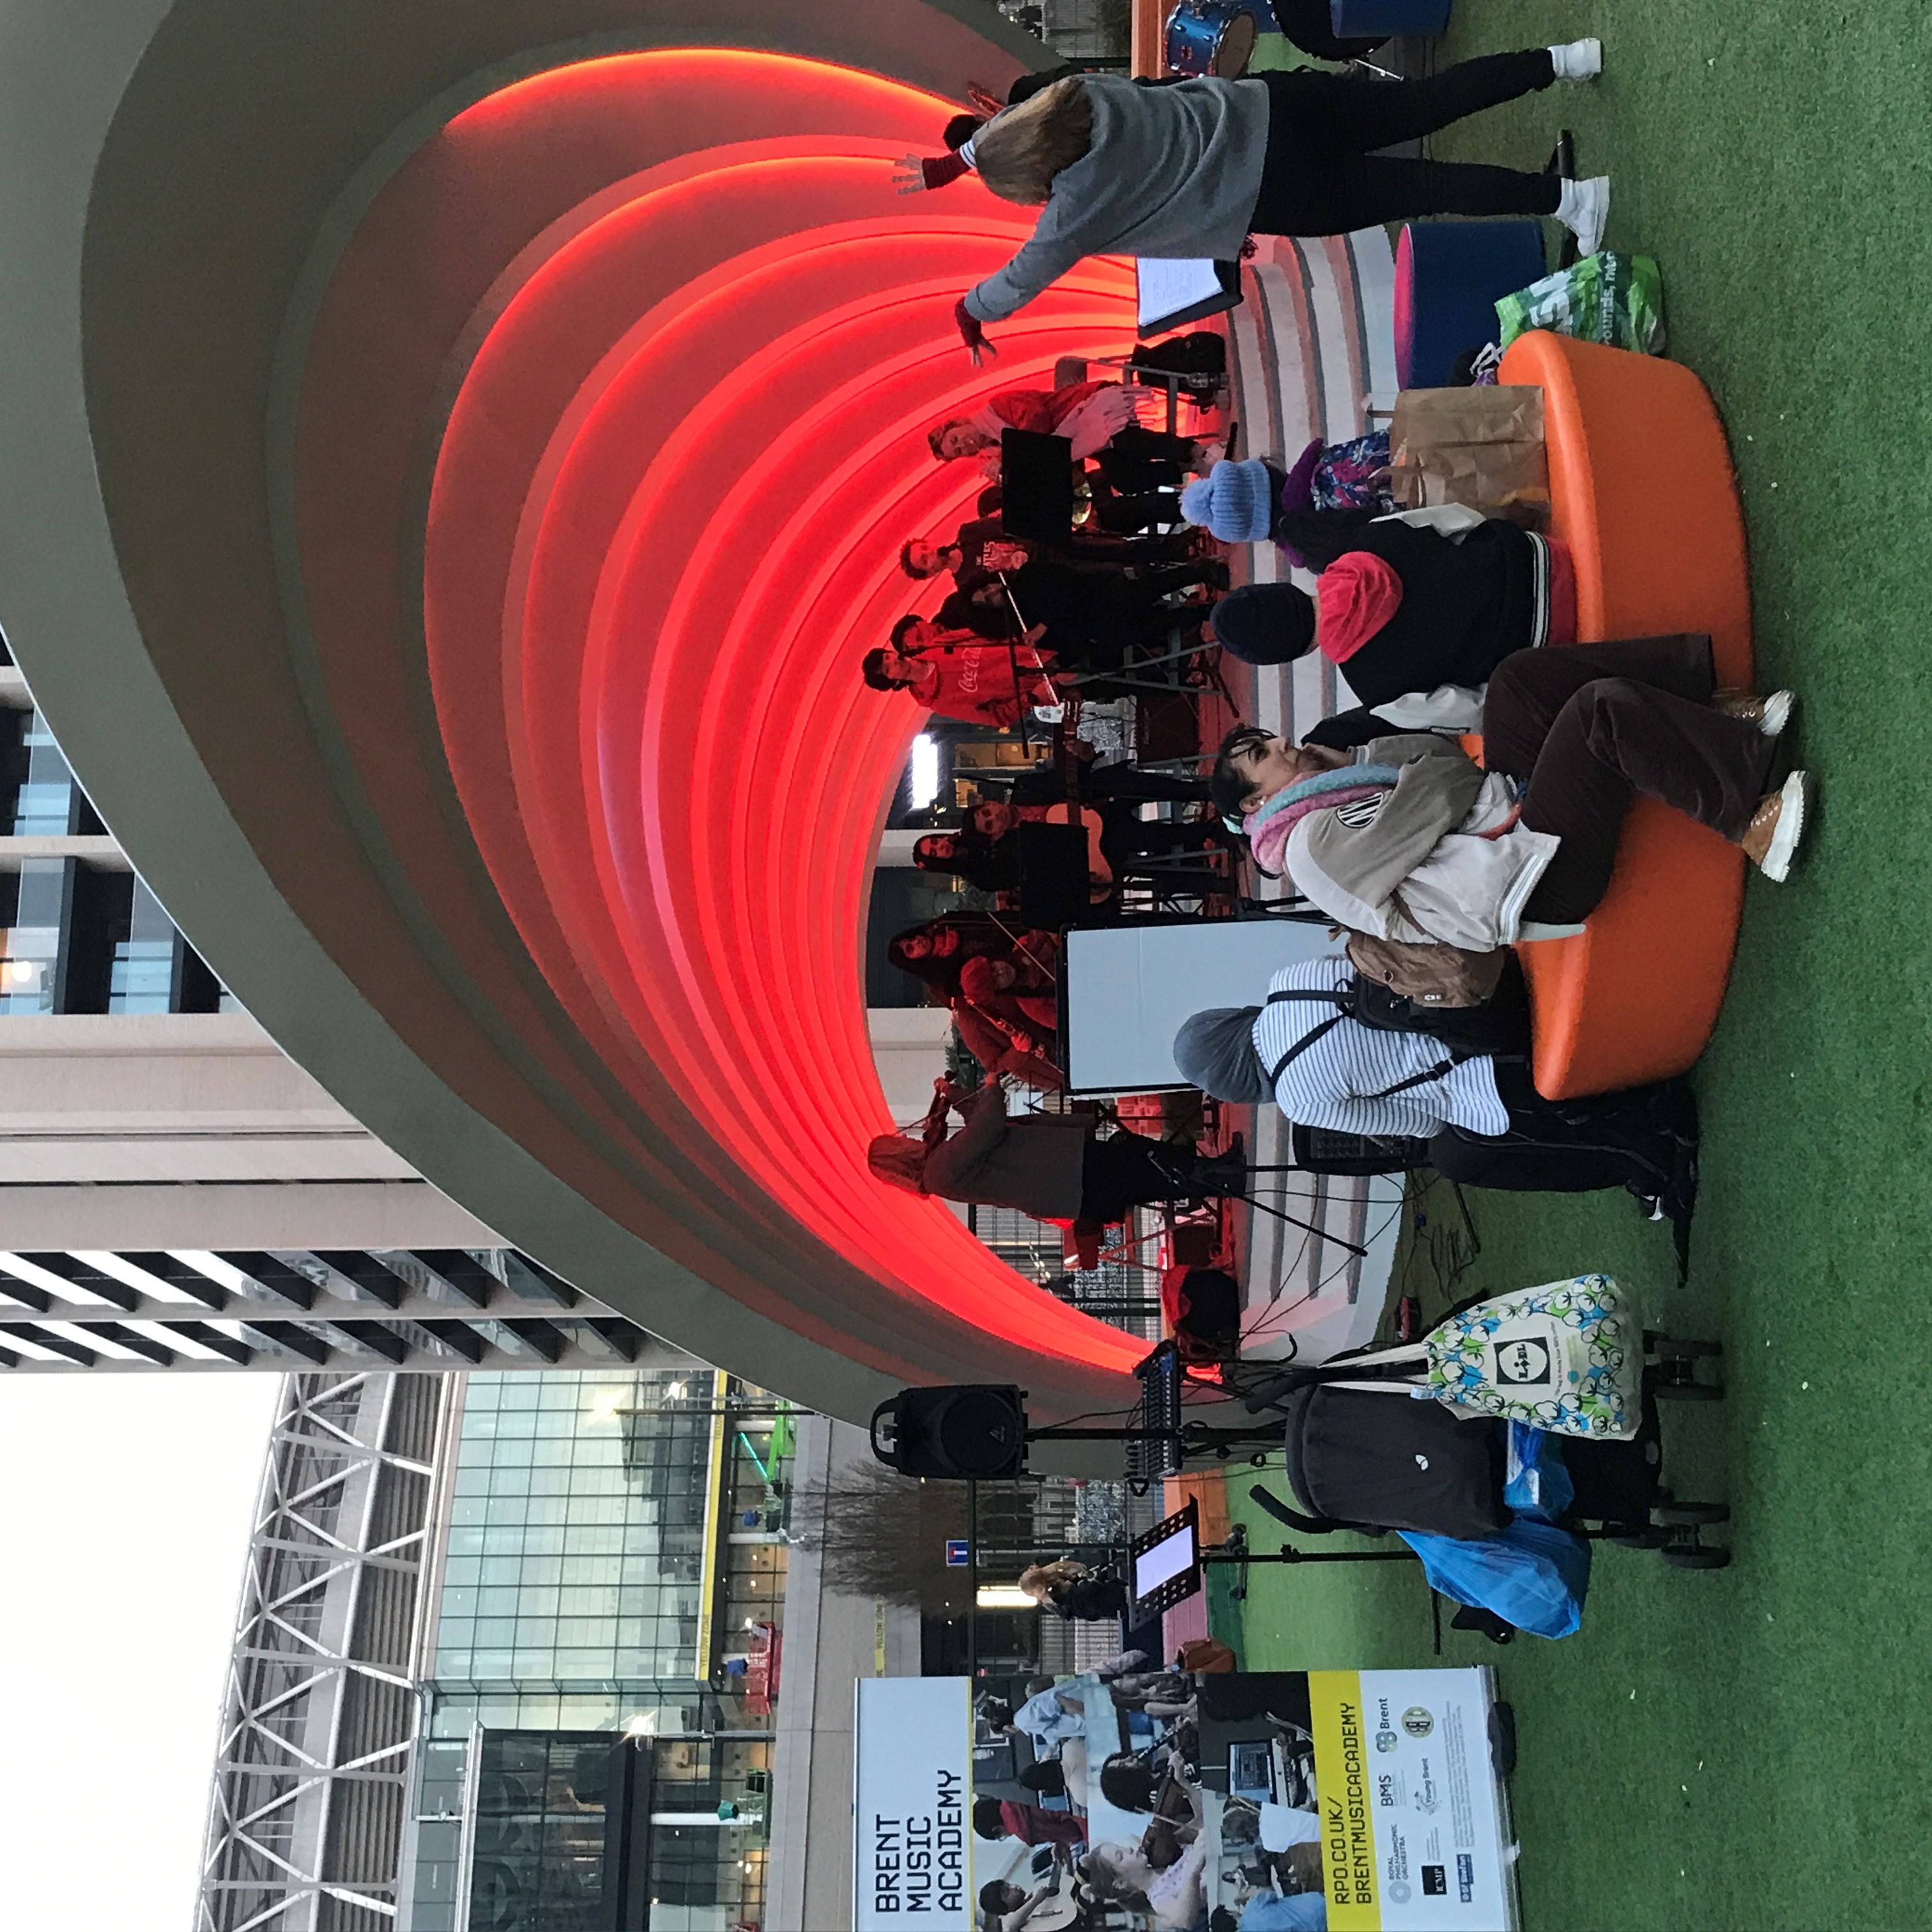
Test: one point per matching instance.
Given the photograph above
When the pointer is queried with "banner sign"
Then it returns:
(912, 1760)
(1272, 1801)
(1412, 1821)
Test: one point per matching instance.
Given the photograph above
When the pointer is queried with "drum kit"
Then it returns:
(1217, 37)
(1210, 37)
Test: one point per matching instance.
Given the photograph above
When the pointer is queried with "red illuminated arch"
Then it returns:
(649, 507)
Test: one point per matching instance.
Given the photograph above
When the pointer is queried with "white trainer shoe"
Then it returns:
(1583, 208)
(1577, 60)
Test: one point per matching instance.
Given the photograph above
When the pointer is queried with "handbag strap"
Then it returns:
(1342, 1001)
(1301, 1046)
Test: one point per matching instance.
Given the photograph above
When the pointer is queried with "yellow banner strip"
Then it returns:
(1344, 1798)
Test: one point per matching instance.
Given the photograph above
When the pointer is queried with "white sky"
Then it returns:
(125, 1503)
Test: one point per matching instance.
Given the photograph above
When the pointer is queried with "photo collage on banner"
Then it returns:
(1138, 1800)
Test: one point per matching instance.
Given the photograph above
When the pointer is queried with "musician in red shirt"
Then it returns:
(961, 676)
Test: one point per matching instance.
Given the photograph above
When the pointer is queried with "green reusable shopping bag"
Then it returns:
(1617, 299)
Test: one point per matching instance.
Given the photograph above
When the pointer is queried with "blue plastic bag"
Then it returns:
(1531, 1574)
(1535, 1482)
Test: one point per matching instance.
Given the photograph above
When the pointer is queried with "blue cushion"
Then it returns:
(1371, 19)
(1449, 276)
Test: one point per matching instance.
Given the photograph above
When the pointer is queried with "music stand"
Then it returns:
(1053, 882)
(1164, 1564)
(1037, 487)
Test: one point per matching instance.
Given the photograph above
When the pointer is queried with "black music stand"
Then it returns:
(1164, 1564)
(1037, 487)
(1053, 879)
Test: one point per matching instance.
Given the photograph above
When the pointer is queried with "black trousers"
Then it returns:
(1589, 726)
(1322, 175)
(1132, 786)
(1123, 514)
(1094, 618)
(1131, 1171)
(1139, 459)
(1636, 1138)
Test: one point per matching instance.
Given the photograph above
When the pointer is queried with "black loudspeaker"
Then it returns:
(976, 1432)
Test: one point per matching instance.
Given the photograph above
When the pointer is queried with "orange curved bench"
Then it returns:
(1641, 491)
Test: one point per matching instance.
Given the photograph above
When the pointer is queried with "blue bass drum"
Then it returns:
(1209, 36)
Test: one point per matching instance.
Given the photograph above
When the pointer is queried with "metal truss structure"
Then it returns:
(311, 1777)
(299, 1311)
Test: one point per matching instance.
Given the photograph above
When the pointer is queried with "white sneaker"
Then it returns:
(1777, 825)
(1770, 714)
(1583, 208)
(1577, 60)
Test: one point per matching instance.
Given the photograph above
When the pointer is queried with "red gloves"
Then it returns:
(936, 170)
(970, 333)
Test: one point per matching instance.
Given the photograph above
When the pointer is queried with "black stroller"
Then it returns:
(1360, 1461)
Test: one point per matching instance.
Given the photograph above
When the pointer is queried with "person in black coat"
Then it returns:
(1406, 613)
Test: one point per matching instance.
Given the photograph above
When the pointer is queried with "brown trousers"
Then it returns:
(1588, 725)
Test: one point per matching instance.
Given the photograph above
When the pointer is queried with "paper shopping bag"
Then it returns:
(1482, 447)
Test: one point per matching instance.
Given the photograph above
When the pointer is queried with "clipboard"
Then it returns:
(1170, 293)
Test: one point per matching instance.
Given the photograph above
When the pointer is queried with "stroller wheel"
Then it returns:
(1690, 1513)
(1695, 1556)
(1652, 1538)
(1669, 1348)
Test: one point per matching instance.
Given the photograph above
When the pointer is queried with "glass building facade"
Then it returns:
(80, 934)
(606, 1649)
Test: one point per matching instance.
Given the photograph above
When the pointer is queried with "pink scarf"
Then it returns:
(1268, 841)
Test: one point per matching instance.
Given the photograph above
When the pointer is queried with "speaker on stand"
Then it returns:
(972, 1432)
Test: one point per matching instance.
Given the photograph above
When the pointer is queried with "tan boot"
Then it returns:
(1772, 835)
(1770, 714)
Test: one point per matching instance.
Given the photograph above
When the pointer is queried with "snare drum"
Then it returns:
(1209, 36)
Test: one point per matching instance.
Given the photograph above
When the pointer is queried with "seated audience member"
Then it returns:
(1414, 620)
(1485, 1122)
(959, 675)
(1408, 839)
(1002, 1818)
(1051, 1166)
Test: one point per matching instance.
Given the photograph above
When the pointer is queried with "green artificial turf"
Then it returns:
(1747, 1749)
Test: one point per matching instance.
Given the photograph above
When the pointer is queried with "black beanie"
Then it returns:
(1265, 623)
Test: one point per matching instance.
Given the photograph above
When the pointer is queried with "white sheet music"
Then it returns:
(1166, 287)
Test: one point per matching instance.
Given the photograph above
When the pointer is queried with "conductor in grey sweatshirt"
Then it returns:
(1190, 169)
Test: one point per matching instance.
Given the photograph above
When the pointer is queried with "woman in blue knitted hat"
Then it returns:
(1234, 501)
